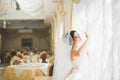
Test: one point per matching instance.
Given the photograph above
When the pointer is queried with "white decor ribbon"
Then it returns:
(32, 7)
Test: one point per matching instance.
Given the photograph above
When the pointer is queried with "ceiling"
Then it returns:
(21, 17)
(27, 9)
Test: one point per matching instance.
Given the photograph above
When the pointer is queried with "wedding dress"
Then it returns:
(80, 67)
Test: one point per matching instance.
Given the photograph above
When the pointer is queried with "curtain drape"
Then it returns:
(99, 18)
(116, 38)
(32, 7)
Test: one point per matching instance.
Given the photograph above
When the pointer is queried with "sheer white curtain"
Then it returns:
(116, 38)
(98, 19)
(59, 58)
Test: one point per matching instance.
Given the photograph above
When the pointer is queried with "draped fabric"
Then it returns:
(23, 73)
(6, 6)
(58, 32)
(32, 7)
(100, 19)
(116, 38)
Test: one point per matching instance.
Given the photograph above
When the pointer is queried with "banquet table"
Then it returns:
(25, 71)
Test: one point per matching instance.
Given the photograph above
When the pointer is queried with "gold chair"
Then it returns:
(50, 69)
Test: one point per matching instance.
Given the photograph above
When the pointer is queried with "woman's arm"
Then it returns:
(68, 73)
(83, 47)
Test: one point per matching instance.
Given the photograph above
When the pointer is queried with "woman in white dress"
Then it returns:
(78, 57)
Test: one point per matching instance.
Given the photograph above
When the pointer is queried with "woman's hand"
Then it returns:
(68, 73)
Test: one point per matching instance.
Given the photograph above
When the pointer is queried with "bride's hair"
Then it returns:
(72, 34)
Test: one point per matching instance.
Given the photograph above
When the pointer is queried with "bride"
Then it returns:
(78, 57)
(73, 66)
